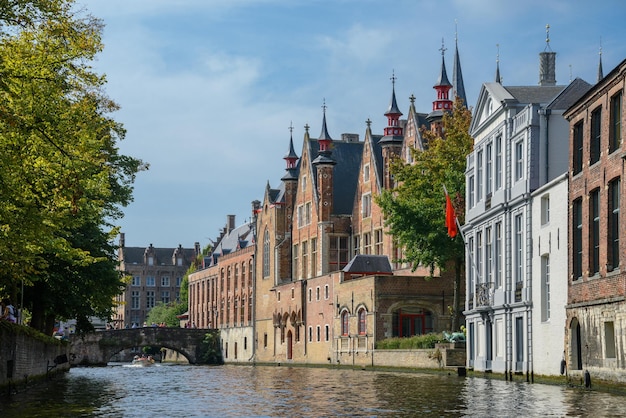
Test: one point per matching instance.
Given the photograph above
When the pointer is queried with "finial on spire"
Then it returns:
(456, 38)
(498, 78)
(291, 127)
(306, 127)
(443, 47)
(393, 78)
(324, 105)
(412, 99)
(600, 72)
(368, 122)
(547, 38)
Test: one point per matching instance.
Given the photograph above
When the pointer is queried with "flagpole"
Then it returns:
(458, 225)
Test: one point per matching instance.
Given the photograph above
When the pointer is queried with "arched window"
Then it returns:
(362, 321)
(266, 254)
(345, 329)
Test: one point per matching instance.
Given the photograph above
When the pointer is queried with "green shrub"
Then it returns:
(425, 341)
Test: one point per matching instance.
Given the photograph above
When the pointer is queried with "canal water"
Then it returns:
(169, 390)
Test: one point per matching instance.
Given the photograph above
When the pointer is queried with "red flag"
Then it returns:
(450, 218)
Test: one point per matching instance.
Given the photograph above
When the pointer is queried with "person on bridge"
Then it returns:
(8, 311)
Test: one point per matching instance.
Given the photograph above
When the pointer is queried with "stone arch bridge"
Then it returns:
(97, 348)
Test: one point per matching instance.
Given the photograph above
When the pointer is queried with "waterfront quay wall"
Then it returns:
(25, 356)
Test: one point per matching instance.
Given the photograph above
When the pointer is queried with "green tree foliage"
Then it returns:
(415, 208)
(166, 313)
(63, 181)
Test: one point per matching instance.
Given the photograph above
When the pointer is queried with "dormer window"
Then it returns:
(150, 261)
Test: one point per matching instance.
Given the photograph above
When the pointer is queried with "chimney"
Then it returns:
(230, 223)
(122, 240)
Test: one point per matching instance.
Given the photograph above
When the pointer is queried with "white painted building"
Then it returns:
(520, 144)
(549, 272)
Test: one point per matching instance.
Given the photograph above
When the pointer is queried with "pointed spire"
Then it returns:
(600, 72)
(393, 105)
(324, 136)
(498, 78)
(324, 142)
(443, 76)
(393, 131)
(443, 86)
(291, 156)
(457, 74)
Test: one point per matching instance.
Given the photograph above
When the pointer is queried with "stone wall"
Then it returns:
(23, 357)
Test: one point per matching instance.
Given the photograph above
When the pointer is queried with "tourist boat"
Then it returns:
(143, 361)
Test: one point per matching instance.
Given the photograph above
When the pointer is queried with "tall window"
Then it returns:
(519, 160)
(165, 281)
(296, 265)
(150, 299)
(489, 168)
(366, 202)
(150, 281)
(345, 329)
(378, 242)
(470, 191)
(609, 339)
(498, 175)
(367, 243)
(266, 254)
(615, 124)
(545, 287)
(577, 238)
(134, 299)
(489, 255)
(136, 281)
(479, 176)
(314, 256)
(471, 263)
(545, 209)
(519, 248)
(595, 140)
(362, 321)
(305, 260)
(577, 163)
(165, 296)
(479, 255)
(498, 255)
(613, 232)
(366, 173)
(338, 253)
(356, 245)
(594, 231)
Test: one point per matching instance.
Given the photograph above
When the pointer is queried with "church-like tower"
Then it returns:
(325, 164)
(391, 142)
(442, 103)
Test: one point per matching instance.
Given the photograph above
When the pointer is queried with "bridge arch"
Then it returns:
(97, 348)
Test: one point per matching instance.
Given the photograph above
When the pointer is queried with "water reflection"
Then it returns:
(198, 391)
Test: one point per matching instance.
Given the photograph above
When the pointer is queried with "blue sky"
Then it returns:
(209, 88)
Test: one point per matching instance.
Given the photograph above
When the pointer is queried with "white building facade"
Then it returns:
(549, 272)
(520, 144)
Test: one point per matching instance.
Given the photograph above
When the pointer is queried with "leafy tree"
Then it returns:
(166, 313)
(415, 208)
(63, 179)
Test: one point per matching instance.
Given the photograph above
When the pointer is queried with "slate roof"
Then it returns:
(570, 95)
(534, 94)
(238, 238)
(164, 256)
(368, 264)
(347, 156)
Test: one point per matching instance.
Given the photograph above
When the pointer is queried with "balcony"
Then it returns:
(484, 295)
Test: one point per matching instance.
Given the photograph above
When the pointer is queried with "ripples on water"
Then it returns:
(205, 391)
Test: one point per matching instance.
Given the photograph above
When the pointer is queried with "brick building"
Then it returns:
(221, 293)
(313, 304)
(596, 308)
(156, 275)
